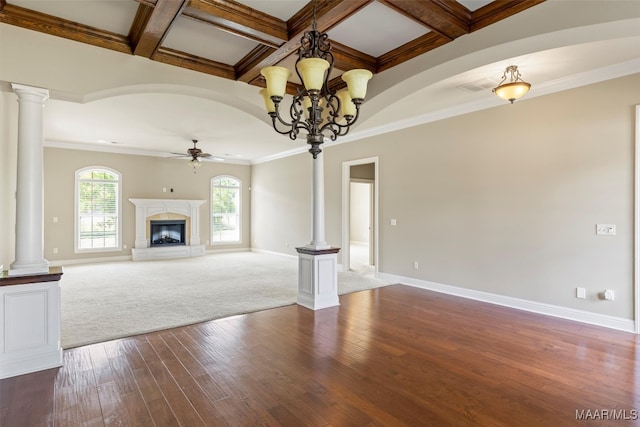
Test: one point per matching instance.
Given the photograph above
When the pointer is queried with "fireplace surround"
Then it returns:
(175, 217)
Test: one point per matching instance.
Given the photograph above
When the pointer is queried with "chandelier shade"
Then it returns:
(276, 78)
(513, 89)
(356, 81)
(313, 72)
(316, 109)
(268, 103)
(348, 108)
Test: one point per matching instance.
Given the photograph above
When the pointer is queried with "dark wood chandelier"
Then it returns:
(315, 109)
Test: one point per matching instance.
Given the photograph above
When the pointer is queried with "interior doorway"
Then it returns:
(361, 240)
(360, 213)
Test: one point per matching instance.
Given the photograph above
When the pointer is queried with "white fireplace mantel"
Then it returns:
(149, 207)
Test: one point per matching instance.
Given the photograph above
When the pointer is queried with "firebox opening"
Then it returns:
(170, 232)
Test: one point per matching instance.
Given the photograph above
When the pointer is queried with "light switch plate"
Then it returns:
(606, 229)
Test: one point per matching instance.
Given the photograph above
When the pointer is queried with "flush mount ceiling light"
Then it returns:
(315, 109)
(513, 89)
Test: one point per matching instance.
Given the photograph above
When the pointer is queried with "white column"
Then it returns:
(318, 239)
(317, 262)
(29, 187)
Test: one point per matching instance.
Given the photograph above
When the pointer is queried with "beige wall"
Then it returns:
(142, 177)
(282, 190)
(366, 171)
(504, 200)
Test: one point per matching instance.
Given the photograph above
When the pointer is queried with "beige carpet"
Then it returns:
(117, 299)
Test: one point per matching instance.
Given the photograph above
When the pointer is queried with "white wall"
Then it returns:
(360, 212)
(503, 201)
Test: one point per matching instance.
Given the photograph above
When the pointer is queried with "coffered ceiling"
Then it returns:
(233, 40)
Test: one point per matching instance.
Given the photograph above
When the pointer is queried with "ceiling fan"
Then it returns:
(197, 155)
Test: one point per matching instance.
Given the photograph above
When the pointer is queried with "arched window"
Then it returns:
(97, 210)
(225, 209)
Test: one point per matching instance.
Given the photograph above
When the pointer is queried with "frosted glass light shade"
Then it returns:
(306, 104)
(276, 79)
(312, 71)
(512, 91)
(357, 82)
(347, 107)
(268, 103)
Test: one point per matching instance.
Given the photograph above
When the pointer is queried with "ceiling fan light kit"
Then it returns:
(515, 88)
(315, 108)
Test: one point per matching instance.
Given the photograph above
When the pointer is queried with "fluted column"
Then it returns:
(29, 186)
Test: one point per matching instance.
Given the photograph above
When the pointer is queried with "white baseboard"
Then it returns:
(60, 263)
(224, 251)
(582, 316)
(28, 362)
(263, 251)
(89, 260)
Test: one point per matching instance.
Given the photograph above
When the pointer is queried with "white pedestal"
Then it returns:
(30, 323)
(318, 277)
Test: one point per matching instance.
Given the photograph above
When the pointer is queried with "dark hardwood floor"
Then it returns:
(395, 356)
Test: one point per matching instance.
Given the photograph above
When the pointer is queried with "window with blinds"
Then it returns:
(98, 209)
(225, 209)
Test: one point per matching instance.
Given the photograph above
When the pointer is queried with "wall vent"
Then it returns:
(478, 86)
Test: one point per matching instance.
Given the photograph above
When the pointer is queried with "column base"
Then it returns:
(25, 269)
(318, 278)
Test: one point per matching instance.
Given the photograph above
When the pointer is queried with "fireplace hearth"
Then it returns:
(167, 232)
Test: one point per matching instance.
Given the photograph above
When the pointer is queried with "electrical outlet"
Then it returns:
(416, 265)
(606, 229)
(581, 293)
(55, 250)
(609, 295)
(124, 246)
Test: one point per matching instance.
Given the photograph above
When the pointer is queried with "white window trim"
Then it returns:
(211, 186)
(76, 214)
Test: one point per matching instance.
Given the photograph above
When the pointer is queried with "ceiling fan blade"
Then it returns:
(205, 155)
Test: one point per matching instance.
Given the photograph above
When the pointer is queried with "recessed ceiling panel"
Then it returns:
(114, 16)
(282, 9)
(207, 41)
(376, 29)
(473, 5)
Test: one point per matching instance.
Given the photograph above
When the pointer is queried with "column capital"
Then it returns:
(20, 89)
